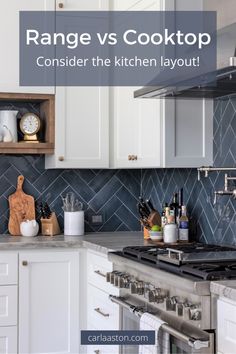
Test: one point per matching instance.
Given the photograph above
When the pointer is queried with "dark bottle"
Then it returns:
(175, 206)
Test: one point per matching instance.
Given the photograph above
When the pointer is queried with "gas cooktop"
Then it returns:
(207, 262)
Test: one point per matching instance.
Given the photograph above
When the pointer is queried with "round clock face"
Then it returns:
(30, 124)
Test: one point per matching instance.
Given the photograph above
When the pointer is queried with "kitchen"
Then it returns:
(54, 287)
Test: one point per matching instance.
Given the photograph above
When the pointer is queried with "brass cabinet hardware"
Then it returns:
(24, 263)
(61, 5)
(132, 157)
(61, 158)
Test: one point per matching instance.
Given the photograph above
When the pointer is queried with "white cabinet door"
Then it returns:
(226, 327)
(8, 340)
(8, 268)
(9, 43)
(8, 305)
(187, 133)
(136, 128)
(82, 116)
(49, 302)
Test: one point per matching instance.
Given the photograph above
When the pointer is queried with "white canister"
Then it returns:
(8, 125)
(74, 223)
(170, 233)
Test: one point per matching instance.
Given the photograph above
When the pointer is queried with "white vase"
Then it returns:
(9, 121)
(74, 223)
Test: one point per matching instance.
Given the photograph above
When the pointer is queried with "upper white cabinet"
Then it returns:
(101, 127)
(49, 302)
(82, 115)
(136, 123)
(9, 43)
(187, 133)
(136, 130)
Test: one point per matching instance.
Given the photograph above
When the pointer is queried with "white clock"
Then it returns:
(29, 125)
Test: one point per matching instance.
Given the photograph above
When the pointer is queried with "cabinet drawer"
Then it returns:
(8, 340)
(8, 305)
(97, 267)
(101, 312)
(8, 268)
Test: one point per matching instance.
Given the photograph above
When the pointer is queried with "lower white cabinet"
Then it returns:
(8, 305)
(8, 340)
(49, 302)
(226, 327)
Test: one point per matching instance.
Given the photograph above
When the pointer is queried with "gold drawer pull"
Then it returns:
(97, 351)
(98, 272)
(132, 157)
(24, 263)
(61, 158)
(60, 5)
(101, 313)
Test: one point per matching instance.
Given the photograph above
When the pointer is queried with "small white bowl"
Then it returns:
(156, 235)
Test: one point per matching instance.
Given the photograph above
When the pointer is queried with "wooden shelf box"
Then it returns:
(47, 115)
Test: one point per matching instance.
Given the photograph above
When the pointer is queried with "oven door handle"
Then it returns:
(192, 342)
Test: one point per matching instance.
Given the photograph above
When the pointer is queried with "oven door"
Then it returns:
(200, 342)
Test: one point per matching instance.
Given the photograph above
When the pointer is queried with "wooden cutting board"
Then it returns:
(22, 208)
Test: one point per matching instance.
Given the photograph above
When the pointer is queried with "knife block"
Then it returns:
(50, 227)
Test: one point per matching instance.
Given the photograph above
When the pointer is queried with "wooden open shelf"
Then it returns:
(47, 114)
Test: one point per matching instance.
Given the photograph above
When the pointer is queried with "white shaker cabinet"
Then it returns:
(82, 115)
(8, 340)
(226, 326)
(49, 302)
(9, 43)
(136, 123)
(187, 133)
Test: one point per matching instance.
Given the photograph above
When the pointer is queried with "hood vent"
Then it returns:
(214, 85)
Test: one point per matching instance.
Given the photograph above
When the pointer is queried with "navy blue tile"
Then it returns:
(128, 218)
(100, 180)
(113, 223)
(105, 194)
(83, 190)
(45, 180)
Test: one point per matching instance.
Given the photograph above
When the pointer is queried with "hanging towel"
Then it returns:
(150, 322)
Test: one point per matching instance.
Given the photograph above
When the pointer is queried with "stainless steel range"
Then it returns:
(174, 284)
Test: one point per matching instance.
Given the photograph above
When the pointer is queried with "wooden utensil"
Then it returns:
(22, 208)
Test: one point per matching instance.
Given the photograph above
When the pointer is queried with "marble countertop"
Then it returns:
(224, 288)
(101, 242)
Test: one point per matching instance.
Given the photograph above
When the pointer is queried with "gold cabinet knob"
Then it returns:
(61, 5)
(96, 351)
(61, 158)
(24, 263)
(129, 157)
(135, 157)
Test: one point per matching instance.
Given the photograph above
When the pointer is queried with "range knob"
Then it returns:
(170, 303)
(110, 276)
(137, 287)
(195, 313)
(179, 309)
(123, 281)
(155, 295)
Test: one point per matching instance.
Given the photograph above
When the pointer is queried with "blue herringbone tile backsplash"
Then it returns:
(114, 193)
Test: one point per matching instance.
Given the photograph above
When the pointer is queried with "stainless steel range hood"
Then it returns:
(217, 84)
